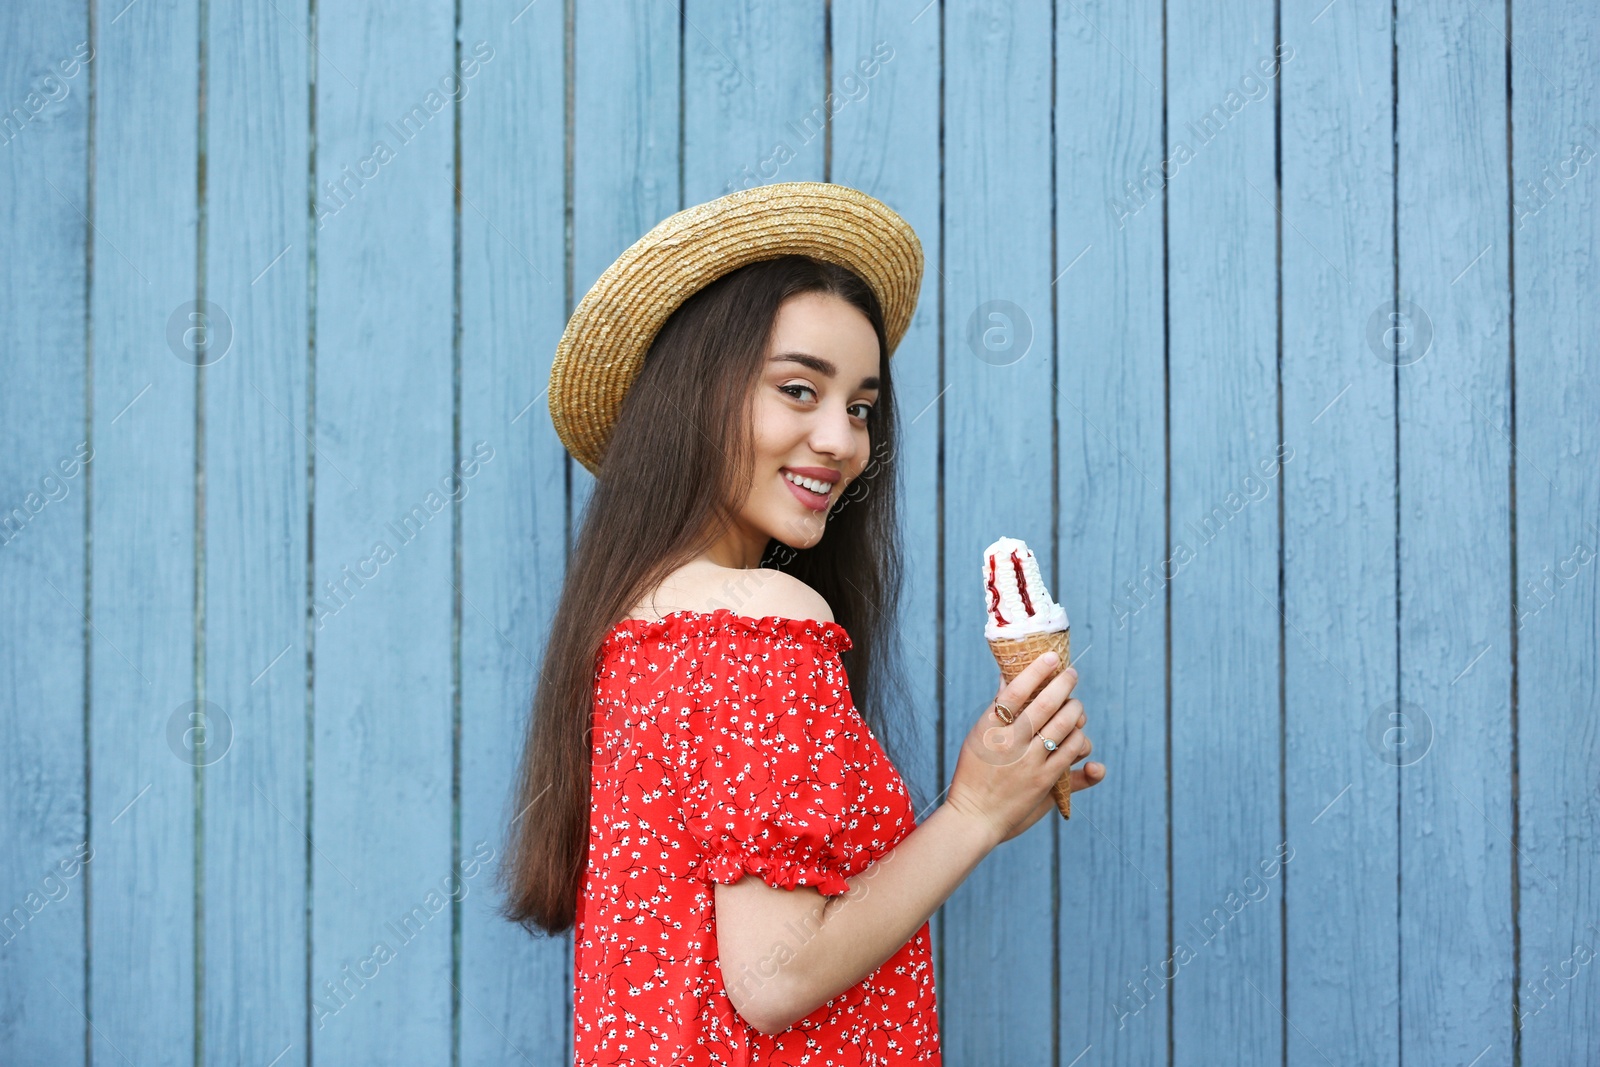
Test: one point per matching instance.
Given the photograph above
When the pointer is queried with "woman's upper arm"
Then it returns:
(771, 798)
(760, 931)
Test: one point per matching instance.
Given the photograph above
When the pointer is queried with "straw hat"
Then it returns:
(613, 326)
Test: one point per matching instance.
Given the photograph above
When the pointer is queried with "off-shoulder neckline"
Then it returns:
(829, 634)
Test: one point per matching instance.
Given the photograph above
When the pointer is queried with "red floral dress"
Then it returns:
(723, 745)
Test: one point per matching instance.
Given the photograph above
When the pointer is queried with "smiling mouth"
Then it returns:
(809, 497)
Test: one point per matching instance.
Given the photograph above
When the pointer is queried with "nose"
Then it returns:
(834, 434)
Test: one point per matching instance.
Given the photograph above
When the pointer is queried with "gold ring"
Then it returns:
(1008, 716)
(1049, 745)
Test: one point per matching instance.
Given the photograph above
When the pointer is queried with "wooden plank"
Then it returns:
(625, 149)
(515, 991)
(1555, 229)
(1455, 527)
(44, 477)
(257, 254)
(1338, 496)
(885, 142)
(1110, 421)
(625, 135)
(383, 741)
(142, 673)
(1225, 714)
(754, 82)
(999, 343)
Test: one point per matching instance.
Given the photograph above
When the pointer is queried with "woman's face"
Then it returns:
(818, 383)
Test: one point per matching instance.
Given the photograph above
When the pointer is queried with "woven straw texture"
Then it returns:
(1013, 657)
(605, 341)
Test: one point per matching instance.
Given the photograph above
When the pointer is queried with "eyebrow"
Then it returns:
(821, 366)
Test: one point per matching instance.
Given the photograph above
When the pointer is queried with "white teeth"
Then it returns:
(819, 487)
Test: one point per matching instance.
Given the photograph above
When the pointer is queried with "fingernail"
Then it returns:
(1051, 659)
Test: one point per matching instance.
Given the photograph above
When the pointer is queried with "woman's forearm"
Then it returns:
(887, 903)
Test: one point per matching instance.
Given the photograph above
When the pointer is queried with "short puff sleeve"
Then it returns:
(772, 736)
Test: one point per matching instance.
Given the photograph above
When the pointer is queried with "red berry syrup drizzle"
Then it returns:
(1022, 587)
(1022, 584)
(994, 597)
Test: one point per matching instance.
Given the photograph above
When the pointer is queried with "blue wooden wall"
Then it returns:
(1273, 326)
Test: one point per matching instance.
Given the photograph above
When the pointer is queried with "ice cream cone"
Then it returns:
(1013, 656)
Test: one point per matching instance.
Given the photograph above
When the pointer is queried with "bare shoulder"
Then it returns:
(758, 592)
(762, 592)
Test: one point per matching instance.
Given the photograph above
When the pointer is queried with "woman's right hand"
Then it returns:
(1004, 774)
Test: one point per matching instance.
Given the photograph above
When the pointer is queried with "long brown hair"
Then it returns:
(677, 467)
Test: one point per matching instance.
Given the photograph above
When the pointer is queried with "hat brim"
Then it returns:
(605, 341)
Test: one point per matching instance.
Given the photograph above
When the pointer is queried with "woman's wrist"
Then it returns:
(975, 825)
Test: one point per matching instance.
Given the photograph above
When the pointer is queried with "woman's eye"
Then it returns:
(795, 391)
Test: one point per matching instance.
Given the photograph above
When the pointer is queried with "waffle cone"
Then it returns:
(1013, 656)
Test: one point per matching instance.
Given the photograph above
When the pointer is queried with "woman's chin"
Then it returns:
(803, 531)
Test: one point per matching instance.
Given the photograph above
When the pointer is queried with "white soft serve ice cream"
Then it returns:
(1018, 602)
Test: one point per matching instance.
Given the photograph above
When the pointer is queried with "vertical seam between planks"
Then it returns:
(88, 543)
(198, 653)
(938, 520)
(311, 510)
(568, 62)
(1511, 500)
(683, 18)
(1283, 618)
(1394, 283)
(1055, 552)
(569, 75)
(827, 89)
(455, 560)
(1166, 509)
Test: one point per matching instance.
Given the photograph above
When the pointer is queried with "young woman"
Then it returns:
(727, 609)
